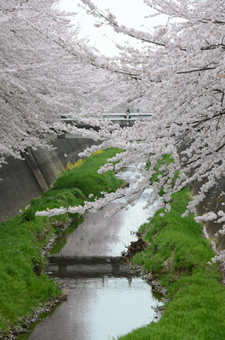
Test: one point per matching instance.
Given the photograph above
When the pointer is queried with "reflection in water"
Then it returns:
(98, 309)
(101, 236)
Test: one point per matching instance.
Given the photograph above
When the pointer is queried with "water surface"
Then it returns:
(99, 309)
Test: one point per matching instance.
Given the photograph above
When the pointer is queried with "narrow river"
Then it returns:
(105, 298)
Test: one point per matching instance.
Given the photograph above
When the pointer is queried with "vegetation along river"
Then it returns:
(105, 298)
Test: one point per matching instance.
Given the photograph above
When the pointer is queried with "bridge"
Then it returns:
(95, 266)
(124, 119)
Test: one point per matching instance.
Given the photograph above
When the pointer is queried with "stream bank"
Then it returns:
(24, 287)
(179, 257)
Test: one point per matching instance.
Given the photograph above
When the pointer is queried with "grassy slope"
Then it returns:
(178, 256)
(23, 285)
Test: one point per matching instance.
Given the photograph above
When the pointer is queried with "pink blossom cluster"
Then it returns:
(178, 75)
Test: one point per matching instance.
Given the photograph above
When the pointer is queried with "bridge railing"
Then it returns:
(120, 117)
(126, 116)
(123, 119)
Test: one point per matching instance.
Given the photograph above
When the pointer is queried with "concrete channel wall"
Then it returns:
(23, 180)
(212, 202)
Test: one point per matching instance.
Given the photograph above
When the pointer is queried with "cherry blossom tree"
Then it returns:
(179, 76)
(46, 73)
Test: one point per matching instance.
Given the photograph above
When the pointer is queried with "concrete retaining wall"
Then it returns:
(23, 180)
(212, 202)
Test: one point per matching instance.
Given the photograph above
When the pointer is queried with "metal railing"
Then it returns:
(120, 117)
(133, 116)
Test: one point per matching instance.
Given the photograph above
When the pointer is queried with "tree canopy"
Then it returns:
(44, 74)
(178, 75)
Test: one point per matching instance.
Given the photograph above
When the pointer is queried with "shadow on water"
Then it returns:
(105, 298)
(61, 241)
(33, 325)
(67, 267)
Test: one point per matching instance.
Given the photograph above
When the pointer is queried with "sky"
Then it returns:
(128, 12)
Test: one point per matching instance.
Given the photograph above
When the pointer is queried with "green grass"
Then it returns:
(93, 182)
(23, 285)
(178, 255)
